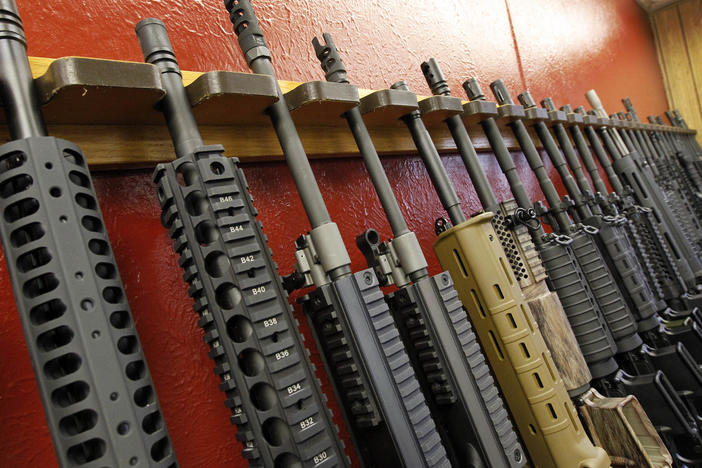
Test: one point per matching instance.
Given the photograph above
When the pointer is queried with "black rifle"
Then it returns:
(604, 211)
(649, 387)
(93, 380)
(264, 369)
(632, 171)
(661, 160)
(450, 364)
(361, 346)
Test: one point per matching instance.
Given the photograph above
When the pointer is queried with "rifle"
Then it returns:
(666, 273)
(615, 310)
(362, 351)
(634, 174)
(238, 295)
(545, 305)
(681, 157)
(649, 388)
(673, 357)
(610, 252)
(94, 383)
(611, 237)
(604, 211)
(675, 184)
(534, 390)
(450, 364)
(691, 150)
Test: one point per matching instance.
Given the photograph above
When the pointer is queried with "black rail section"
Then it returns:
(371, 371)
(264, 369)
(451, 367)
(92, 375)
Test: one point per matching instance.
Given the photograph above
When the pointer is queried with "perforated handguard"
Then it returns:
(629, 273)
(535, 392)
(91, 372)
(259, 356)
(613, 306)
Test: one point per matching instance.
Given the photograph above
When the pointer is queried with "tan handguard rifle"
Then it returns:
(639, 444)
(638, 368)
(533, 388)
(513, 226)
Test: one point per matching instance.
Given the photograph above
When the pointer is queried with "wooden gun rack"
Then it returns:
(109, 108)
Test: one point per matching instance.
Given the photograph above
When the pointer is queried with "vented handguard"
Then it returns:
(93, 379)
(547, 420)
(630, 276)
(584, 314)
(265, 373)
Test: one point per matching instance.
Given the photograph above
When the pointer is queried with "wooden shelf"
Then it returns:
(109, 108)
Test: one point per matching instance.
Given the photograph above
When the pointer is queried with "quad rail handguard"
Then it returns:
(264, 369)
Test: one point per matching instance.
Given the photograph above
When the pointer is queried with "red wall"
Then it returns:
(560, 48)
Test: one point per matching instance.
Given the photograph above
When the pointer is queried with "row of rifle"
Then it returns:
(575, 346)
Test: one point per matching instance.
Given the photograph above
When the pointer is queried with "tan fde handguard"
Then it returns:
(619, 425)
(529, 380)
